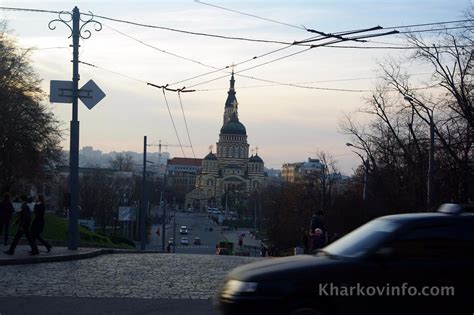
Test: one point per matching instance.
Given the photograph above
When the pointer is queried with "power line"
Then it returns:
(182, 90)
(309, 82)
(275, 83)
(397, 47)
(216, 69)
(256, 66)
(251, 15)
(428, 24)
(186, 124)
(111, 71)
(190, 32)
(157, 26)
(438, 29)
(244, 38)
(156, 48)
(172, 120)
(290, 55)
(227, 67)
(30, 10)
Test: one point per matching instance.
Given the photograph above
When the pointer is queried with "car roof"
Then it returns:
(429, 217)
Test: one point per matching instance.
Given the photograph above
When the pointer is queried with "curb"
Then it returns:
(59, 258)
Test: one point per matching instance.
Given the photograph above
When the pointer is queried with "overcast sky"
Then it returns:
(288, 124)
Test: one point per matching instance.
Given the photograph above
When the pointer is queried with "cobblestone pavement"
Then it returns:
(176, 276)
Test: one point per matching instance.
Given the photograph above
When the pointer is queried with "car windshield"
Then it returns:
(362, 239)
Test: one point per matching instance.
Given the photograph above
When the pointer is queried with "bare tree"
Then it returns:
(414, 134)
(122, 162)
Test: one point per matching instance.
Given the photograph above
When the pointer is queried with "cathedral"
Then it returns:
(229, 173)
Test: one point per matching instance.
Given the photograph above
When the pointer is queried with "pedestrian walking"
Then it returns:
(38, 222)
(6, 212)
(24, 222)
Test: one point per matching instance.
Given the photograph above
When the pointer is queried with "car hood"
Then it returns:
(281, 268)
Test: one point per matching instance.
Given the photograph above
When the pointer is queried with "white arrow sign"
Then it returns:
(61, 92)
(90, 94)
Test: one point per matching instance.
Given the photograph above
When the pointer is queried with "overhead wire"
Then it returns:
(288, 44)
(216, 69)
(428, 24)
(154, 47)
(30, 10)
(275, 83)
(190, 32)
(174, 125)
(397, 47)
(155, 26)
(253, 67)
(242, 38)
(280, 58)
(437, 29)
(251, 15)
(111, 71)
(186, 123)
(309, 82)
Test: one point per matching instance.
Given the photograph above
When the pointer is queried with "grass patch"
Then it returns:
(56, 229)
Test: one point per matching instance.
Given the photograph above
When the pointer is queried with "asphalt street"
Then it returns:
(198, 225)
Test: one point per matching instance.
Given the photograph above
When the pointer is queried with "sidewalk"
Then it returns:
(57, 254)
(251, 246)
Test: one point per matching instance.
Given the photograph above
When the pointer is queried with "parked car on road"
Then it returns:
(197, 241)
(184, 241)
(418, 263)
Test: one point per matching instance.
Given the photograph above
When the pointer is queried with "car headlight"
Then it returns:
(233, 287)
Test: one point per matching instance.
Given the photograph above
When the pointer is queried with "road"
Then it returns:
(116, 284)
(198, 225)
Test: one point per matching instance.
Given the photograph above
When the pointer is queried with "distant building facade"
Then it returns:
(230, 169)
(301, 171)
(181, 176)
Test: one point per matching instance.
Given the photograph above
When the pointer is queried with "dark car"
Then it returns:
(420, 263)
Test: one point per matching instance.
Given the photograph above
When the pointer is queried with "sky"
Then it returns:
(288, 124)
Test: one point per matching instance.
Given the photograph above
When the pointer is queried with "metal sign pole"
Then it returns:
(75, 18)
(144, 202)
(73, 231)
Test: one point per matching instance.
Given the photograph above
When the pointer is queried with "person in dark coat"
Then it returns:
(317, 222)
(38, 223)
(317, 240)
(6, 212)
(23, 222)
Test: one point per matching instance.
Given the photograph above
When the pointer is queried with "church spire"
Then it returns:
(231, 103)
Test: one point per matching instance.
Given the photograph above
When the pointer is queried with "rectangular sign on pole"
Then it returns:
(126, 214)
(60, 91)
